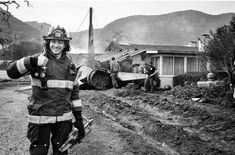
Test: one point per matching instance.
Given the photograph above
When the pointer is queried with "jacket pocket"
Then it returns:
(33, 109)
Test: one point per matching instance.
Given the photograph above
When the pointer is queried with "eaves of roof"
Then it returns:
(161, 47)
(164, 52)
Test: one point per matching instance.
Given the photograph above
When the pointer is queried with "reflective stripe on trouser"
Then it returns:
(49, 119)
(39, 136)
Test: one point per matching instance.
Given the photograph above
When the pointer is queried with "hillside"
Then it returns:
(20, 31)
(42, 27)
(177, 28)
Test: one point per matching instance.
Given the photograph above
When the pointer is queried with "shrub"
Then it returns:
(191, 77)
(221, 75)
(220, 94)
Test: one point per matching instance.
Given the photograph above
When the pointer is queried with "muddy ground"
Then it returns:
(129, 121)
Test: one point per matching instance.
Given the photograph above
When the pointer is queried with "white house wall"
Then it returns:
(168, 79)
(165, 79)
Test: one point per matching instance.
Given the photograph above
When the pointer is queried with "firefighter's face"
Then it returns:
(57, 46)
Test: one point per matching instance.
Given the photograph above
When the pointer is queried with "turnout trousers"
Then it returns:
(39, 136)
(149, 81)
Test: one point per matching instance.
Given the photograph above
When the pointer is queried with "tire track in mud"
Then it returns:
(135, 140)
(175, 127)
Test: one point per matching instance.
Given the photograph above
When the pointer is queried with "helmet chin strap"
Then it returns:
(57, 55)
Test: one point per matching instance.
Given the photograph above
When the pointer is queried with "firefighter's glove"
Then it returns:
(79, 125)
(42, 60)
(34, 62)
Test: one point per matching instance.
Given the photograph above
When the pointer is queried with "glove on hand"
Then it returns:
(79, 125)
(42, 60)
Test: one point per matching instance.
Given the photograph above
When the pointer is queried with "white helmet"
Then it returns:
(57, 33)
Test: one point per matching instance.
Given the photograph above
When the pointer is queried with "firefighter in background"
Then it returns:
(114, 69)
(51, 110)
(151, 72)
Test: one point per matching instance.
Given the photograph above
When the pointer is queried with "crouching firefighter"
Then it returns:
(55, 94)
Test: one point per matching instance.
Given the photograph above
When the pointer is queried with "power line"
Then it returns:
(82, 21)
(95, 20)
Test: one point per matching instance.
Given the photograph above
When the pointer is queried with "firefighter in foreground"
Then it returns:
(55, 94)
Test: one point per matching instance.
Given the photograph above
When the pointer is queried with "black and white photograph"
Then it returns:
(115, 77)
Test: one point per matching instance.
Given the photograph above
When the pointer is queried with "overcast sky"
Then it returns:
(71, 13)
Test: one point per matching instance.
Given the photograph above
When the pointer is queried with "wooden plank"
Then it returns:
(25, 88)
(125, 76)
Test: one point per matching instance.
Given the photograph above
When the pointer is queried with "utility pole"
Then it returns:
(12, 46)
(91, 37)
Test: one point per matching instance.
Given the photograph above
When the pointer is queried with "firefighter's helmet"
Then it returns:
(58, 33)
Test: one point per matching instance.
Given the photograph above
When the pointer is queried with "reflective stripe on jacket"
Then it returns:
(54, 83)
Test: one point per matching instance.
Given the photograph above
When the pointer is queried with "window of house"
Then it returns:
(192, 65)
(175, 65)
(168, 66)
(178, 65)
(156, 63)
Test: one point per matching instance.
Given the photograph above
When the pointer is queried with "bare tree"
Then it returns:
(5, 14)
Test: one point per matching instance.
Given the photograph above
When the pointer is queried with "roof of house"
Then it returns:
(161, 47)
(102, 57)
(122, 51)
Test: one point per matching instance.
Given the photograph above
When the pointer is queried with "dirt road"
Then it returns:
(130, 122)
(106, 137)
(13, 120)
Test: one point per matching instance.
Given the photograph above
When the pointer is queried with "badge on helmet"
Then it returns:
(57, 33)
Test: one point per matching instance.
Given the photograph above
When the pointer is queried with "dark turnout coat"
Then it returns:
(61, 98)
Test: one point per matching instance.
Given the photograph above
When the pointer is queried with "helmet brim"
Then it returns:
(53, 38)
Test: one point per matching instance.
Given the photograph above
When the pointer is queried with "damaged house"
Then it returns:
(169, 60)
